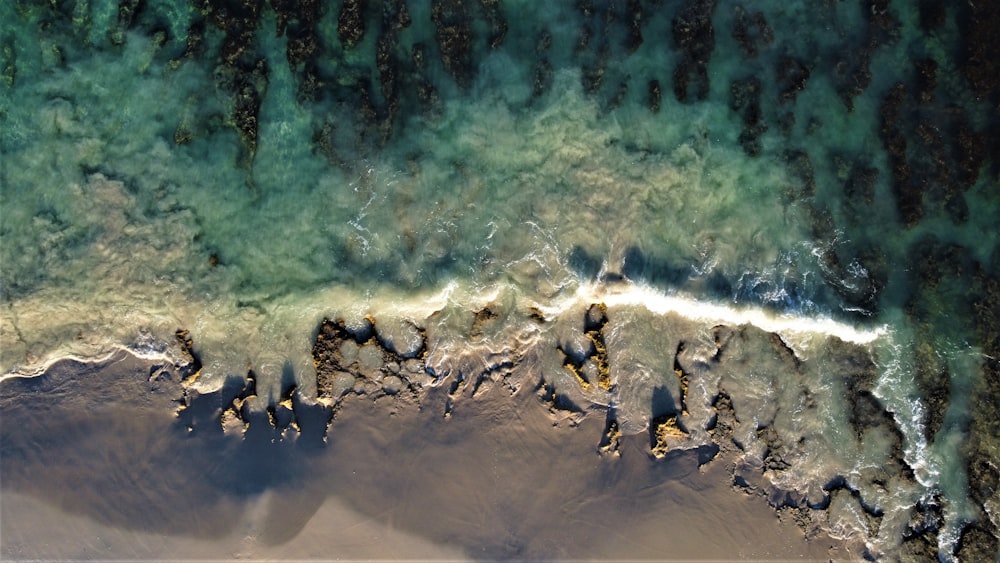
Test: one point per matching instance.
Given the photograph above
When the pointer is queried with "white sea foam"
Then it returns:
(659, 302)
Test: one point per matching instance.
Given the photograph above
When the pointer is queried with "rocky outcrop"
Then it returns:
(590, 364)
(751, 32)
(351, 22)
(744, 99)
(694, 37)
(362, 360)
(978, 22)
(453, 32)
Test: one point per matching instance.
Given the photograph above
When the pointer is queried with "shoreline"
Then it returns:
(629, 495)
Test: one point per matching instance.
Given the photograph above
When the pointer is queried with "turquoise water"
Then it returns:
(133, 206)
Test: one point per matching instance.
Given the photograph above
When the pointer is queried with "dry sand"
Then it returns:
(96, 465)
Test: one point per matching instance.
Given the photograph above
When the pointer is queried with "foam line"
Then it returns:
(660, 303)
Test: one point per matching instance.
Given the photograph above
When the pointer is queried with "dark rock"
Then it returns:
(560, 403)
(868, 415)
(683, 378)
(801, 170)
(744, 99)
(351, 22)
(978, 542)
(693, 31)
(694, 36)
(853, 77)
(366, 115)
(395, 17)
(542, 78)
(971, 151)
(984, 477)
(193, 362)
(283, 11)
(430, 101)
(723, 426)
(909, 197)
(594, 359)
(127, 12)
(920, 538)
(937, 268)
(634, 18)
(926, 80)
(751, 32)
(933, 14)
(610, 443)
(785, 121)
(838, 487)
(858, 286)
(453, 31)
(542, 70)
(483, 317)
(359, 359)
(594, 46)
(619, 96)
(239, 21)
(583, 40)
(8, 61)
(793, 75)
(655, 96)
(853, 72)
(592, 78)
(496, 20)
(250, 89)
(881, 18)
(860, 184)
(300, 19)
(195, 39)
(544, 43)
(980, 60)
(773, 449)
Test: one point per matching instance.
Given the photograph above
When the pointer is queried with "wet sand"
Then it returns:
(96, 465)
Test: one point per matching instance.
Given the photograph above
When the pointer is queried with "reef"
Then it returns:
(589, 365)
(702, 401)
(982, 449)
(694, 36)
(853, 69)
(978, 23)
(351, 22)
(744, 99)
(793, 76)
(935, 155)
(365, 361)
(751, 32)
(452, 22)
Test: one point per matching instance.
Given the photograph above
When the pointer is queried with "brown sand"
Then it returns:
(95, 465)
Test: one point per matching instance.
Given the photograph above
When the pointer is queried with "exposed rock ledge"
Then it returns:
(793, 417)
(802, 428)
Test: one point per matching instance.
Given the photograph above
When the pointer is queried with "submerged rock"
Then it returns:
(751, 32)
(453, 32)
(351, 22)
(694, 37)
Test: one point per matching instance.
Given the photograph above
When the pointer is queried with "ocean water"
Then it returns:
(532, 211)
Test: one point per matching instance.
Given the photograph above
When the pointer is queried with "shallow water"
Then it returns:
(747, 240)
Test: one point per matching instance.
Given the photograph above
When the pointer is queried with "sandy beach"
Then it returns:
(95, 465)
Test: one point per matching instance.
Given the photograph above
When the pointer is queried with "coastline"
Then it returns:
(506, 478)
(247, 244)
